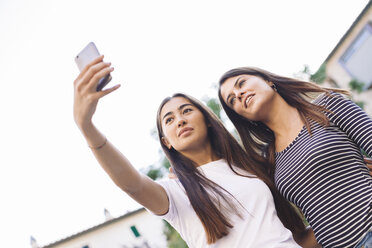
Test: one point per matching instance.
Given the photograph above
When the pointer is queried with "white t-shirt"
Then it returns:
(259, 227)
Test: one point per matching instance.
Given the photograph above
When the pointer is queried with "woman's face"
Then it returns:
(249, 96)
(183, 125)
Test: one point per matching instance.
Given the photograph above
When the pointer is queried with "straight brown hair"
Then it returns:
(256, 137)
(202, 192)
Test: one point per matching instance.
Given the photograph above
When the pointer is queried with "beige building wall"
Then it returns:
(118, 234)
(336, 72)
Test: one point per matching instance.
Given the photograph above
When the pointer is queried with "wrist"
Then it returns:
(94, 138)
(86, 128)
(97, 147)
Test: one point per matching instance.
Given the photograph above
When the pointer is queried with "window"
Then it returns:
(357, 59)
(135, 231)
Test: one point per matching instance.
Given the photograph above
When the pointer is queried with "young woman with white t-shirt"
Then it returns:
(221, 198)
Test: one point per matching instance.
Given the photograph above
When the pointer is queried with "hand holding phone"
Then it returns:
(88, 54)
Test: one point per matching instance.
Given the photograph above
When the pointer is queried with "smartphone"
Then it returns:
(89, 53)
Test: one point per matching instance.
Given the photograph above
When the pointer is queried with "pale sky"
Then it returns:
(50, 184)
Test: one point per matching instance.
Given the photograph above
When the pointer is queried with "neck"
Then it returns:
(201, 155)
(283, 118)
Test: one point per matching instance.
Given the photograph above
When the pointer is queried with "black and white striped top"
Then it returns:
(325, 176)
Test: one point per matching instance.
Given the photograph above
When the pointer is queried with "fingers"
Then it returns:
(85, 90)
(107, 91)
(92, 71)
(99, 72)
(85, 69)
(86, 85)
(95, 61)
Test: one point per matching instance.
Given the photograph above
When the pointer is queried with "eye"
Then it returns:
(168, 120)
(186, 110)
(241, 83)
(232, 100)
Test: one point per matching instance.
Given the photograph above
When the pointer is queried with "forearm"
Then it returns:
(138, 186)
(115, 164)
(141, 188)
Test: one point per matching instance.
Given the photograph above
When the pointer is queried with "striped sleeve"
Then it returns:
(350, 118)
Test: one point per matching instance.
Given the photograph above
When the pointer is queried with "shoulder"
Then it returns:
(176, 197)
(170, 185)
(328, 96)
(333, 101)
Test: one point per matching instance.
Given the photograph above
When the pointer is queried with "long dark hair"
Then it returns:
(256, 136)
(202, 192)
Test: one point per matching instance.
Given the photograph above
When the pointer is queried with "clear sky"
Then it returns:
(50, 184)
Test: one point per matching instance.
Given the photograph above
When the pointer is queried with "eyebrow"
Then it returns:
(236, 82)
(179, 108)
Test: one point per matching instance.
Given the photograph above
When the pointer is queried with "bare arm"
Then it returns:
(141, 188)
(307, 239)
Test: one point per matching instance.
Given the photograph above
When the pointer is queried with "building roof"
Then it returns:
(350, 29)
(94, 228)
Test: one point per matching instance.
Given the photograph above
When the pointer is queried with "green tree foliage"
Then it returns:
(154, 172)
(174, 239)
(214, 105)
(319, 76)
(357, 87)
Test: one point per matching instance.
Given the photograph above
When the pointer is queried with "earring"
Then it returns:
(274, 87)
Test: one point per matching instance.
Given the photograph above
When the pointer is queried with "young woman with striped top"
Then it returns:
(315, 146)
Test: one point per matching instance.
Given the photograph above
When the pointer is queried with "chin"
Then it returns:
(185, 144)
(191, 144)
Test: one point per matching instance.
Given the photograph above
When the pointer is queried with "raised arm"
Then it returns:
(140, 187)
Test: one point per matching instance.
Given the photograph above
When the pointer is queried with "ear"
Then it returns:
(166, 142)
(269, 83)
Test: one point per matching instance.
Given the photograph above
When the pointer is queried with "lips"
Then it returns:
(183, 130)
(248, 99)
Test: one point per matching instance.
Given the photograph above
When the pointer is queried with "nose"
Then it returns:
(181, 122)
(240, 94)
